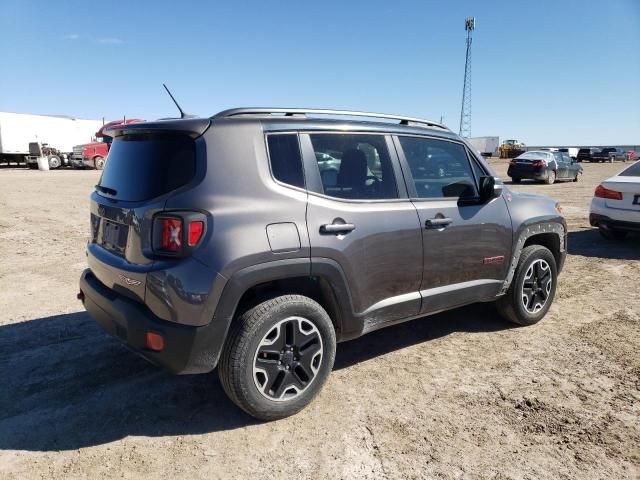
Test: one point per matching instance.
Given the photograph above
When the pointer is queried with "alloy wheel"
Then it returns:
(287, 359)
(536, 286)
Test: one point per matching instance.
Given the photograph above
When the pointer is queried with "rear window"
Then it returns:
(142, 166)
(632, 171)
(532, 156)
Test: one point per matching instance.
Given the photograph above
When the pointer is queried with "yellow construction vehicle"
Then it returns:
(511, 149)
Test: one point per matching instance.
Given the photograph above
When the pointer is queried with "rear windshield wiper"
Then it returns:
(107, 190)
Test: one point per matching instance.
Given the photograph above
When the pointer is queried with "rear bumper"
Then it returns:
(541, 174)
(187, 349)
(597, 220)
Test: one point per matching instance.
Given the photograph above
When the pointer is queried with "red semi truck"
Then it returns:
(94, 154)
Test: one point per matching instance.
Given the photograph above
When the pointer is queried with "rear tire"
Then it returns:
(610, 234)
(98, 163)
(530, 295)
(54, 162)
(278, 356)
(516, 180)
(575, 179)
(551, 178)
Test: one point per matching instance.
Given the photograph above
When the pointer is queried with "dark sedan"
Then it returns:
(544, 166)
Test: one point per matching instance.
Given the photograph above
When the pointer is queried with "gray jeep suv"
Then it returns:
(256, 239)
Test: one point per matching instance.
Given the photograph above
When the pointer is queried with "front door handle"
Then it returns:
(337, 228)
(437, 222)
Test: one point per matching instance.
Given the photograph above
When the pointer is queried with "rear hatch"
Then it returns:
(142, 170)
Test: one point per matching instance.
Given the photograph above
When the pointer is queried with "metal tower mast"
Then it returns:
(465, 111)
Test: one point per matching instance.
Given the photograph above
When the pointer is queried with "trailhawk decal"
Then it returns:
(493, 260)
(129, 281)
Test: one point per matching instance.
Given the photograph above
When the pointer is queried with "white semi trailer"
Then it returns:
(18, 130)
(487, 146)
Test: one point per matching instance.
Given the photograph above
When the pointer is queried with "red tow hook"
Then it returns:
(80, 296)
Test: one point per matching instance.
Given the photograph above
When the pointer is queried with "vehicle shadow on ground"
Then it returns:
(589, 243)
(479, 317)
(68, 385)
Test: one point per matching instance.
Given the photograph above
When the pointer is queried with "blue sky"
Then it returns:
(545, 72)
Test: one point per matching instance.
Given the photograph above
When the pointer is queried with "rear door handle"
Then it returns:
(337, 228)
(437, 222)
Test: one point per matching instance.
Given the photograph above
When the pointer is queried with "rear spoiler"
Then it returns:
(194, 127)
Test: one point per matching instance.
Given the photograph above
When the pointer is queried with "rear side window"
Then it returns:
(356, 167)
(439, 168)
(144, 166)
(632, 171)
(286, 161)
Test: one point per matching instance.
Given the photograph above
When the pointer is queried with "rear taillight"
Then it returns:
(538, 164)
(196, 229)
(512, 162)
(177, 234)
(603, 192)
(171, 234)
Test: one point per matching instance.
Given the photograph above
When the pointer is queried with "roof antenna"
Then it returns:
(182, 114)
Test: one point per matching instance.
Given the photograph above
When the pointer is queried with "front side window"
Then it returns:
(286, 161)
(356, 167)
(477, 169)
(439, 168)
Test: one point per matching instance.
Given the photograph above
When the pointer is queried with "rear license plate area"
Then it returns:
(114, 236)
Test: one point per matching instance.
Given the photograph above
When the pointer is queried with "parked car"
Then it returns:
(586, 154)
(544, 166)
(609, 154)
(615, 208)
(217, 242)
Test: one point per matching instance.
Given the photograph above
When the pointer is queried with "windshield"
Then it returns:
(632, 171)
(141, 167)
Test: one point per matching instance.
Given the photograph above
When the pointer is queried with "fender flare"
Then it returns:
(525, 232)
(244, 279)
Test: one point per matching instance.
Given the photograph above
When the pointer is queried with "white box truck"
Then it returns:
(486, 146)
(61, 133)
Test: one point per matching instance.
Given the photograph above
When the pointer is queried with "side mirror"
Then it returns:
(489, 189)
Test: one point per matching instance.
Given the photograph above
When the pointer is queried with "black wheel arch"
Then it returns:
(549, 233)
(320, 279)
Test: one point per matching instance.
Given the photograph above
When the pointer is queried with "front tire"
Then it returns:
(98, 163)
(532, 289)
(516, 179)
(278, 356)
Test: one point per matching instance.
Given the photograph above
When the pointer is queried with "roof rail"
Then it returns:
(291, 112)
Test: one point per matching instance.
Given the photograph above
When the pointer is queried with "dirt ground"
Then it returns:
(457, 395)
